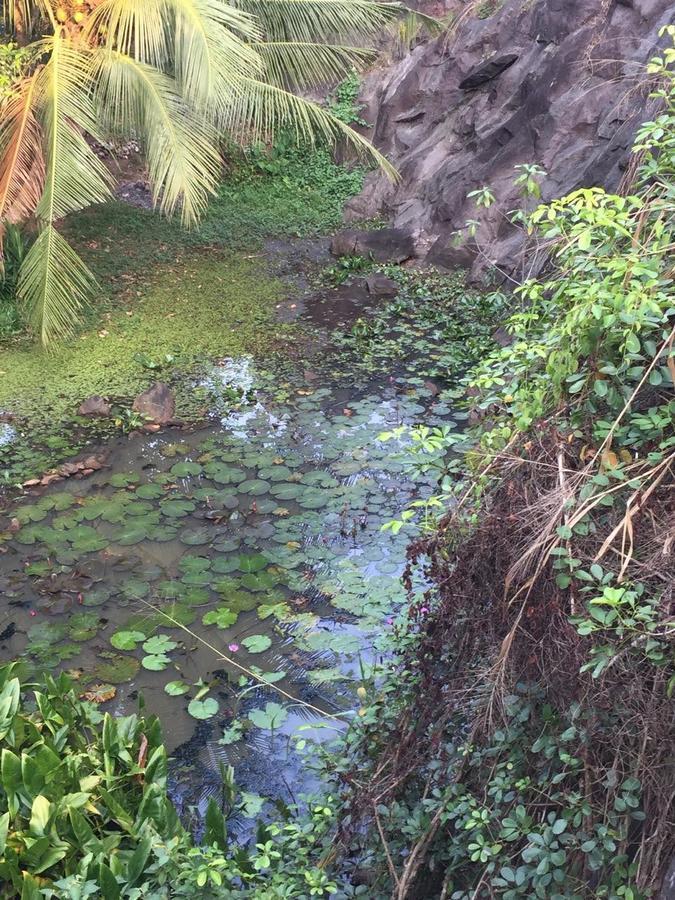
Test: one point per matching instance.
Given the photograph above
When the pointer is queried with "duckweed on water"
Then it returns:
(207, 306)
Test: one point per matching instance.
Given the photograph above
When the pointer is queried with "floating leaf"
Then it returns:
(193, 537)
(257, 643)
(223, 474)
(150, 491)
(126, 640)
(252, 563)
(156, 662)
(223, 617)
(122, 479)
(262, 581)
(158, 644)
(251, 804)
(176, 509)
(118, 669)
(203, 709)
(233, 733)
(176, 688)
(271, 717)
(287, 491)
(186, 469)
(254, 486)
(83, 626)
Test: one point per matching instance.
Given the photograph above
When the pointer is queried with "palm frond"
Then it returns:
(22, 163)
(183, 161)
(54, 284)
(53, 281)
(260, 109)
(296, 66)
(138, 29)
(212, 45)
(319, 20)
(75, 176)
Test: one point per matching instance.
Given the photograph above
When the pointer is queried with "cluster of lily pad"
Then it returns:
(263, 537)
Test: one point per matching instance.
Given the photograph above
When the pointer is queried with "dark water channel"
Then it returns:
(196, 560)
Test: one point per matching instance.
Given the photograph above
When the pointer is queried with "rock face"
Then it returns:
(384, 245)
(157, 404)
(559, 83)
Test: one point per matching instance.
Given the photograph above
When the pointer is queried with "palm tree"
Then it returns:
(178, 74)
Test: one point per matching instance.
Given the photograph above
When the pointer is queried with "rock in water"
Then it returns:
(157, 404)
(94, 407)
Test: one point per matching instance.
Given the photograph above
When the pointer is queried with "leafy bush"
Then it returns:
(84, 812)
(82, 796)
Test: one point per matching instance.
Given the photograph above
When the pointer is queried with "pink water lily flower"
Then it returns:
(233, 647)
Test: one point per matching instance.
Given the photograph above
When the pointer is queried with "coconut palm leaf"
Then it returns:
(22, 163)
(296, 66)
(53, 281)
(54, 285)
(260, 109)
(183, 162)
(75, 176)
(317, 21)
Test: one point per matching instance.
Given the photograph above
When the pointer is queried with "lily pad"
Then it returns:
(176, 688)
(193, 537)
(223, 474)
(251, 563)
(118, 669)
(156, 662)
(159, 644)
(223, 617)
(286, 491)
(254, 486)
(271, 717)
(257, 643)
(126, 640)
(261, 581)
(203, 709)
(150, 491)
(176, 509)
(186, 469)
(83, 626)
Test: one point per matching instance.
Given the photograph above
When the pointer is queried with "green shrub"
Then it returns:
(83, 798)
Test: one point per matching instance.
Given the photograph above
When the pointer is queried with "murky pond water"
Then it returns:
(237, 578)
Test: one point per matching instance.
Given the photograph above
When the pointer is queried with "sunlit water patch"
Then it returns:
(236, 578)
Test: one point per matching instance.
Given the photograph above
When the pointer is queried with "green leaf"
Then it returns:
(39, 816)
(271, 717)
(223, 617)
(155, 662)
(138, 860)
(203, 709)
(126, 640)
(4, 828)
(257, 643)
(9, 704)
(176, 688)
(159, 644)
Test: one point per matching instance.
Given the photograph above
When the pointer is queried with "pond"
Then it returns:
(235, 577)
